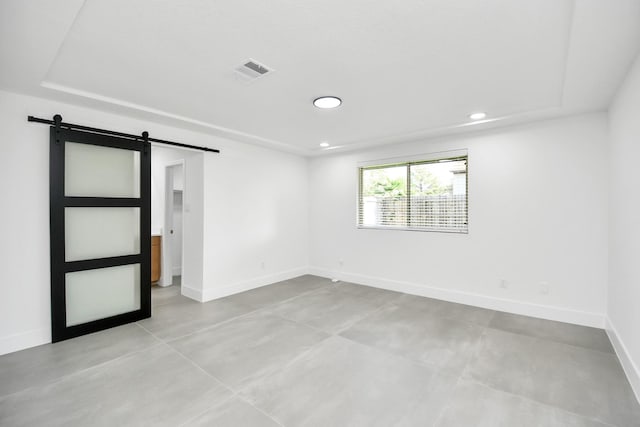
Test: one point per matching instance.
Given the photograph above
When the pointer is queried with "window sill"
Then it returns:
(431, 230)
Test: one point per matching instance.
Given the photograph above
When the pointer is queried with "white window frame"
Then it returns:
(408, 161)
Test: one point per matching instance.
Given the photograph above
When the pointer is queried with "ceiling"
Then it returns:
(405, 70)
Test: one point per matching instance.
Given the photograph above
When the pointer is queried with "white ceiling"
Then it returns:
(405, 70)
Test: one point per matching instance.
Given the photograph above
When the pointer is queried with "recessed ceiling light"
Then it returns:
(324, 144)
(327, 102)
(477, 116)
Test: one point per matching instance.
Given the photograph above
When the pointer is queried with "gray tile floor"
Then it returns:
(307, 352)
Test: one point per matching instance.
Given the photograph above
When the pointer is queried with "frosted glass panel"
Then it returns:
(100, 293)
(101, 232)
(94, 171)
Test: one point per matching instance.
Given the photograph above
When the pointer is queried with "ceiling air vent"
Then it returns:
(252, 70)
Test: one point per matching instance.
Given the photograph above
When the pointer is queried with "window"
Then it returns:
(427, 195)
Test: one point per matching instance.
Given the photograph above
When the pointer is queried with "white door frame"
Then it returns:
(166, 274)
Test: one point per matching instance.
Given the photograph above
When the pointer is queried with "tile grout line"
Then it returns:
(537, 402)
(373, 312)
(612, 350)
(200, 368)
(271, 306)
(260, 410)
(422, 363)
(204, 411)
(162, 304)
(439, 316)
(311, 291)
(284, 367)
(256, 310)
(192, 362)
(338, 332)
(236, 393)
(368, 346)
(466, 376)
(214, 325)
(387, 353)
(448, 404)
(158, 343)
(288, 319)
(147, 331)
(206, 328)
(547, 340)
(209, 408)
(253, 311)
(475, 352)
(72, 374)
(484, 328)
(58, 379)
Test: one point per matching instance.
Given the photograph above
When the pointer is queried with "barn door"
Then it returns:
(100, 213)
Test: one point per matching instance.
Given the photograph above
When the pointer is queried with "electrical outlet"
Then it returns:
(503, 284)
(544, 288)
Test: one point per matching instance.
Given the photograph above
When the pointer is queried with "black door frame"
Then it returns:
(58, 202)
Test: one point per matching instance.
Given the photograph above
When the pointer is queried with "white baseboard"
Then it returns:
(493, 303)
(165, 281)
(246, 285)
(629, 366)
(22, 340)
(194, 294)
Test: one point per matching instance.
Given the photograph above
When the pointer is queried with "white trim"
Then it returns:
(23, 340)
(415, 158)
(177, 271)
(166, 260)
(189, 292)
(628, 365)
(398, 228)
(219, 130)
(246, 285)
(561, 314)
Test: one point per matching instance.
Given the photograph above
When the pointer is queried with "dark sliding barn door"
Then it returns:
(100, 201)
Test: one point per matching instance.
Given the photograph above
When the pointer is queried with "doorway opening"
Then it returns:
(173, 224)
(176, 188)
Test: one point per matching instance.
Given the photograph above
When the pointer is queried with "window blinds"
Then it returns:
(419, 195)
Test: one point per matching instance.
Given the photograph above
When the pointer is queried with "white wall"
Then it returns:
(238, 180)
(176, 244)
(24, 220)
(537, 213)
(178, 179)
(624, 226)
(264, 219)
